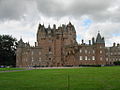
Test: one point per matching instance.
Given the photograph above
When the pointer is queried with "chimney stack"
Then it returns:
(54, 26)
(114, 44)
(93, 40)
(118, 45)
(82, 41)
(89, 42)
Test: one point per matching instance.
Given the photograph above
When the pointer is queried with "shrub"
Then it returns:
(117, 63)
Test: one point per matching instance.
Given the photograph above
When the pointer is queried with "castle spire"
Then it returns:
(99, 39)
(39, 26)
(21, 40)
(49, 26)
(70, 23)
(98, 31)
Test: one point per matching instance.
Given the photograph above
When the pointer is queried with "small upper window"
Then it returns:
(80, 57)
(85, 51)
(100, 51)
(80, 50)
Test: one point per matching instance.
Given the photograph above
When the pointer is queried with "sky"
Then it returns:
(20, 18)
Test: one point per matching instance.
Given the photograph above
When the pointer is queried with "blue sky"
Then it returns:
(87, 23)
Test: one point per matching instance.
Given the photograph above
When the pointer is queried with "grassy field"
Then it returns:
(92, 78)
(8, 69)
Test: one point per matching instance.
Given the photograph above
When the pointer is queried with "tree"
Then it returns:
(8, 46)
(117, 63)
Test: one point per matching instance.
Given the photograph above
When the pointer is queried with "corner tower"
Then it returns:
(100, 49)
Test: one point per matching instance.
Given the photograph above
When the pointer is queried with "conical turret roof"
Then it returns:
(99, 39)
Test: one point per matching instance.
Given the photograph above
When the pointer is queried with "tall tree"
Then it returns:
(7, 50)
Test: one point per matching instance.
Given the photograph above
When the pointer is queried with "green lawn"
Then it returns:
(8, 69)
(95, 78)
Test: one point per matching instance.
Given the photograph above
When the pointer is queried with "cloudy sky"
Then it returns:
(20, 18)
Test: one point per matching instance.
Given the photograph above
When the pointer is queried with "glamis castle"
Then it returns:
(56, 47)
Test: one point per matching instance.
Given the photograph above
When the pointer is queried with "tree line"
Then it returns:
(8, 45)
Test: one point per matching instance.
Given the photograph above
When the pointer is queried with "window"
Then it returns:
(111, 53)
(89, 58)
(57, 37)
(85, 51)
(80, 57)
(49, 31)
(119, 52)
(40, 59)
(85, 57)
(49, 36)
(100, 51)
(93, 57)
(49, 40)
(80, 50)
(39, 53)
(93, 51)
(32, 59)
(106, 53)
(89, 52)
(106, 59)
(49, 58)
(101, 58)
(50, 50)
(32, 52)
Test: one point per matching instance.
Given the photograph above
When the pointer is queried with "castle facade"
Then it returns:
(56, 47)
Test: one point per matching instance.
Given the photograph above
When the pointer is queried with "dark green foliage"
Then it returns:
(7, 50)
(11, 69)
(117, 62)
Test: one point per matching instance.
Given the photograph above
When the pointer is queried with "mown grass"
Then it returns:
(8, 69)
(95, 78)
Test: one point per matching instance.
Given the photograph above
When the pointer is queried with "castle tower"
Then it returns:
(19, 51)
(70, 37)
(41, 34)
(52, 42)
(100, 50)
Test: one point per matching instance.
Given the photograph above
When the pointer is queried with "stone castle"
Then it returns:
(56, 47)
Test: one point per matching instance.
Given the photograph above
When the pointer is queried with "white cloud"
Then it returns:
(18, 29)
(21, 18)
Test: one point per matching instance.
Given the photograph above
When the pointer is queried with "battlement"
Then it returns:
(59, 30)
(66, 33)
